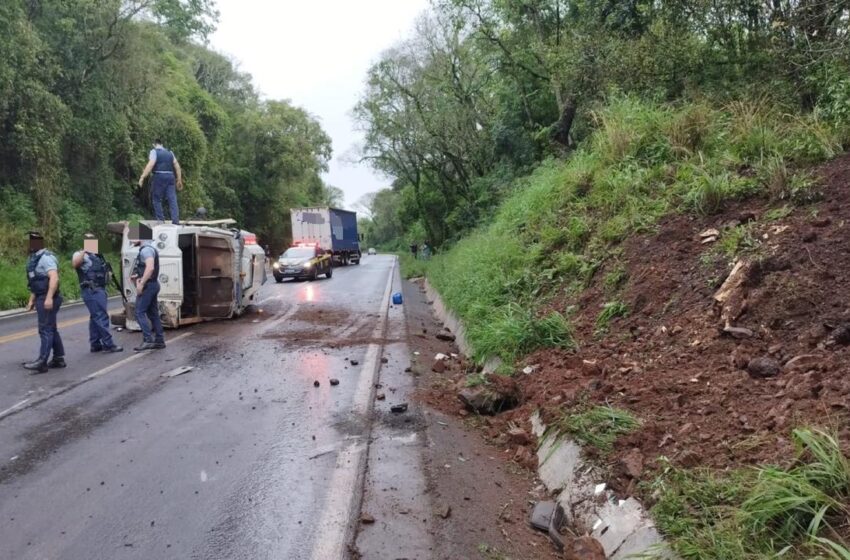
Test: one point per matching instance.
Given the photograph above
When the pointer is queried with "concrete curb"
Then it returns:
(623, 527)
(12, 313)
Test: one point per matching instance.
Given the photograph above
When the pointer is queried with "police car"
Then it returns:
(303, 260)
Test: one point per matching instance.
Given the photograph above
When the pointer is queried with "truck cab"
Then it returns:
(206, 271)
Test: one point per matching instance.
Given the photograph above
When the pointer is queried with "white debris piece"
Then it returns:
(178, 371)
(440, 357)
(599, 488)
(597, 524)
(528, 370)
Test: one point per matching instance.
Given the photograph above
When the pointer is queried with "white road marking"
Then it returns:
(345, 490)
(129, 359)
(13, 408)
(27, 403)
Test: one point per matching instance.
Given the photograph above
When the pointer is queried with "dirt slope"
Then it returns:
(668, 360)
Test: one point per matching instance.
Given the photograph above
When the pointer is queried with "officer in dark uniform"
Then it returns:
(165, 168)
(93, 271)
(43, 282)
(145, 275)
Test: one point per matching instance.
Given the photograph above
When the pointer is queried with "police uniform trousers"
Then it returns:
(147, 313)
(47, 330)
(99, 335)
(164, 186)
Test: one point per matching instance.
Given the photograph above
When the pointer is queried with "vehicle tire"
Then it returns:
(329, 273)
(314, 276)
(278, 279)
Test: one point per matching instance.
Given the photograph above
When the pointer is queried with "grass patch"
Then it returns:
(610, 311)
(599, 426)
(796, 512)
(13, 281)
(410, 267)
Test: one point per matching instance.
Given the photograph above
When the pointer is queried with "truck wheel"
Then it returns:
(330, 272)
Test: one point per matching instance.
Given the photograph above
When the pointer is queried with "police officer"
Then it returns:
(165, 168)
(92, 271)
(145, 275)
(43, 282)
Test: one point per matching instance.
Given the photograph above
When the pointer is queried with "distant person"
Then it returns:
(43, 283)
(165, 168)
(426, 251)
(145, 276)
(414, 249)
(92, 272)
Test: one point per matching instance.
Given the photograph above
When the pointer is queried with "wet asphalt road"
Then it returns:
(242, 457)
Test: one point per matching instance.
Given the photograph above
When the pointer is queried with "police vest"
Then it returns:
(37, 283)
(139, 265)
(164, 161)
(96, 275)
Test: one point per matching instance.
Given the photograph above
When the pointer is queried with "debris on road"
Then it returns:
(385, 360)
(316, 383)
(334, 381)
(380, 396)
(177, 371)
(366, 519)
(584, 548)
(399, 408)
(445, 337)
(763, 367)
(354, 362)
(439, 366)
(500, 393)
(541, 515)
(445, 511)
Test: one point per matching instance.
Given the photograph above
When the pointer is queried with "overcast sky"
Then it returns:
(316, 53)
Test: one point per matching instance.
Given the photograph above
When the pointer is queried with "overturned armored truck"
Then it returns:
(207, 270)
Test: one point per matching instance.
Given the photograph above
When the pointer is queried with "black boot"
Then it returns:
(145, 346)
(58, 362)
(38, 366)
(112, 349)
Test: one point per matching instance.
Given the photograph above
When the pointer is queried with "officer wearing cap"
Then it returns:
(93, 271)
(145, 275)
(43, 283)
(165, 168)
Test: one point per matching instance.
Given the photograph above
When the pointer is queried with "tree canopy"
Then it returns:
(86, 86)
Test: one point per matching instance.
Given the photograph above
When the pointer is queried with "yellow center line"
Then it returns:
(32, 332)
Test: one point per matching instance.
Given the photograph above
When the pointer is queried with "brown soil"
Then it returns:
(668, 361)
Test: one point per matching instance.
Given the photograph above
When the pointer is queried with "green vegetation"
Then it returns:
(610, 311)
(792, 512)
(599, 426)
(87, 85)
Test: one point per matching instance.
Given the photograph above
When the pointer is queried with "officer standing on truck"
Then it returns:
(145, 275)
(165, 168)
(43, 283)
(93, 271)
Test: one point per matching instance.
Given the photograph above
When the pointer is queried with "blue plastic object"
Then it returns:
(397, 299)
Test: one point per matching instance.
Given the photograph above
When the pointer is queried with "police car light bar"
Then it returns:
(250, 238)
(305, 244)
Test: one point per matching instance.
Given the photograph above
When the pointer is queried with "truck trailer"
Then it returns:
(332, 229)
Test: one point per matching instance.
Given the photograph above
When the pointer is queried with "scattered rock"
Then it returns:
(584, 548)
(334, 381)
(380, 396)
(803, 362)
(821, 222)
(763, 366)
(445, 511)
(518, 436)
(689, 459)
(384, 361)
(523, 456)
(840, 335)
(738, 332)
(438, 366)
(810, 236)
(366, 519)
(631, 464)
(441, 357)
(316, 383)
(408, 369)
(354, 362)
(446, 337)
(399, 408)
(499, 394)
(746, 217)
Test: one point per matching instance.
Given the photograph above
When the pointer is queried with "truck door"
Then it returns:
(215, 277)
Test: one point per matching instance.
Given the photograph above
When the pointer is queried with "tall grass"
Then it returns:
(798, 512)
(644, 161)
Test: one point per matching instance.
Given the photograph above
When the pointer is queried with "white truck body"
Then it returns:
(206, 271)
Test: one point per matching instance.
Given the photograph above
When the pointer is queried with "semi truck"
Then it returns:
(207, 270)
(332, 229)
